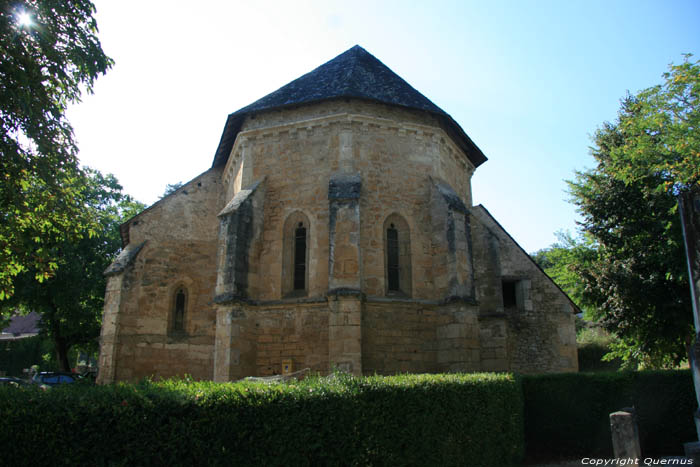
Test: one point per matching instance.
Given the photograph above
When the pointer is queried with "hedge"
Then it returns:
(475, 419)
(471, 419)
(567, 415)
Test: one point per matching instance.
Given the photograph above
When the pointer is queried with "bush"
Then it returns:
(593, 344)
(39, 350)
(590, 358)
(340, 420)
(567, 415)
(23, 353)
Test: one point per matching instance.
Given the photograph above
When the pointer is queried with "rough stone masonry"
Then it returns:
(335, 228)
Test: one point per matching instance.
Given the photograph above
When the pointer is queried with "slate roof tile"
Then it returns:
(353, 74)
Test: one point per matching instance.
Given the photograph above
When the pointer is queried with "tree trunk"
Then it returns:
(62, 354)
(60, 344)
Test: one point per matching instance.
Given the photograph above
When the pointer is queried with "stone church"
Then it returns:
(334, 229)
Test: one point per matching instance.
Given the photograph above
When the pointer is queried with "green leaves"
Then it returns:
(43, 69)
(65, 281)
(636, 282)
(453, 419)
(561, 261)
(661, 131)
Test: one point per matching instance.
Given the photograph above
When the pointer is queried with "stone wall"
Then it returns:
(178, 240)
(468, 298)
(413, 337)
(256, 340)
(538, 331)
(394, 151)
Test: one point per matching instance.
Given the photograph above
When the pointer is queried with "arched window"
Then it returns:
(179, 311)
(300, 257)
(295, 260)
(392, 258)
(397, 256)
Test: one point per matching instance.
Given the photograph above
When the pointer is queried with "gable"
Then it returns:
(485, 217)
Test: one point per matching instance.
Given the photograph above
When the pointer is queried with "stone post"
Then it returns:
(625, 436)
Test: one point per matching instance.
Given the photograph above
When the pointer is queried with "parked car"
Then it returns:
(53, 378)
(12, 381)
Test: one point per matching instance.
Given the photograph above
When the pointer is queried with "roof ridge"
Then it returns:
(355, 49)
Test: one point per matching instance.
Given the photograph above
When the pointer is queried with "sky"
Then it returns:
(528, 81)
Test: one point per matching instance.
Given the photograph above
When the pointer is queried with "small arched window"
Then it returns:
(392, 258)
(397, 256)
(179, 310)
(300, 257)
(295, 255)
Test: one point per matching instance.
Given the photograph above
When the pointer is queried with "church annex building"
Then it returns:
(334, 229)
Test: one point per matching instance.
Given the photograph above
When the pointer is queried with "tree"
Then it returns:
(560, 261)
(71, 300)
(661, 129)
(50, 53)
(638, 282)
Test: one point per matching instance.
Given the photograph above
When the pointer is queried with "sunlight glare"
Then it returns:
(24, 19)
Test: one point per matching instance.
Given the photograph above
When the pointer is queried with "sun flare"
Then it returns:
(24, 19)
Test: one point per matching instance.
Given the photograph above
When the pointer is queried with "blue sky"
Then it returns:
(529, 81)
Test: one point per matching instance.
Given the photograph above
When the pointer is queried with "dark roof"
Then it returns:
(353, 74)
(27, 324)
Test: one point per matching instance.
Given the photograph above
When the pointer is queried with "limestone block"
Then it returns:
(625, 435)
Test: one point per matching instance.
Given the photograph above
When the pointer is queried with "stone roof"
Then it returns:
(353, 74)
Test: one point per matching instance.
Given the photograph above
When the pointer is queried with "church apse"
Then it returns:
(332, 231)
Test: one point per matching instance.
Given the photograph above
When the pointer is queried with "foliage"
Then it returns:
(637, 284)
(661, 134)
(70, 301)
(562, 262)
(567, 415)
(593, 346)
(20, 354)
(474, 419)
(45, 65)
(559, 260)
(340, 420)
(595, 357)
(171, 188)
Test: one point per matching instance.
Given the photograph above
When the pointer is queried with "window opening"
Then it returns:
(300, 257)
(392, 242)
(509, 296)
(179, 317)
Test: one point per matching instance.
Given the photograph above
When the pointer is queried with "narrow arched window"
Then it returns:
(392, 260)
(179, 311)
(397, 256)
(300, 257)
(295, 255)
